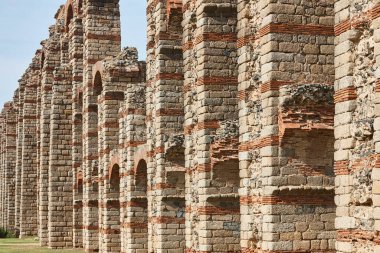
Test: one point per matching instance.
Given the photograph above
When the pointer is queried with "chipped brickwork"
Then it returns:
(225, 140)
(356, 125)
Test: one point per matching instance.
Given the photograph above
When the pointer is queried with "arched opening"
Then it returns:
(69, 16)
(42, 60)
(111, 222)
(95, 177)
(80, 186)
(141, 182)
(98, 84)
(115, 180)
(80, 100)
(138, 220)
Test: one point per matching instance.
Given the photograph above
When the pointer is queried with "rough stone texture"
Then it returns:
(223, 141)
(356, 125)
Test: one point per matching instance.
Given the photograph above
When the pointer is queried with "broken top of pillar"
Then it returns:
(124, 65)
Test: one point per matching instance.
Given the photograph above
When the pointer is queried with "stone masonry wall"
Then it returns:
(356, 125)
(253, 126)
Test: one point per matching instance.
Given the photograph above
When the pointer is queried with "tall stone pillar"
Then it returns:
(76, 61)
(210, 87)
(60, 215)
(10, 162)
(28, 189)
(133, 199)
(60, 163)
(357, 125)
(2, 168)
(50, 61)
(165, 117)
(97, 45)
(286, 113)
(20, 109)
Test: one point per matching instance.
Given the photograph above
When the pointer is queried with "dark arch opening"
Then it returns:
(140, 210)
(69, 16)
(80, 100)
(142, 177)
(80, 186)
(115, 179)
(42, 60)
(98, 85)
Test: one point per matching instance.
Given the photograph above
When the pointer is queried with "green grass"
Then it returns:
(28, 245)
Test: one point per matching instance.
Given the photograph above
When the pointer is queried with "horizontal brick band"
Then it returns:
(157, 150)
(259, 143)
(362, 19)
(133, 144)
(212, 80)
(161, 186)
(110, 204)
(213, 210)
(91, 228)
(345, 94)
(109, 231)
(78, 227)
(212, 124)
(219, 37)
(287, 28)
(91, 36)
(167, 220)
(168, 36)
(358, 235)
(30, 117)
(90, 134)
(345, 167)
(112, 95)
(109, 124)
(246, 40)
(30, 101)
(299, 200)
(169, 76)
(288, 200)
(135, 225)
(132, 111)
(274, 85)
(142, 203)
(169, 112)
(91, 203)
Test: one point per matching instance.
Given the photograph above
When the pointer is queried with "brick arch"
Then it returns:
(140, 154)
(42, 59)
(114, 160)
(97, 78)
(69, 14)
(98, 67)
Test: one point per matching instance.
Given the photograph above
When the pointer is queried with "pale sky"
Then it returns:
(24, 24)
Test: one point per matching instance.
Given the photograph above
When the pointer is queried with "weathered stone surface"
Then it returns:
(251, 127)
